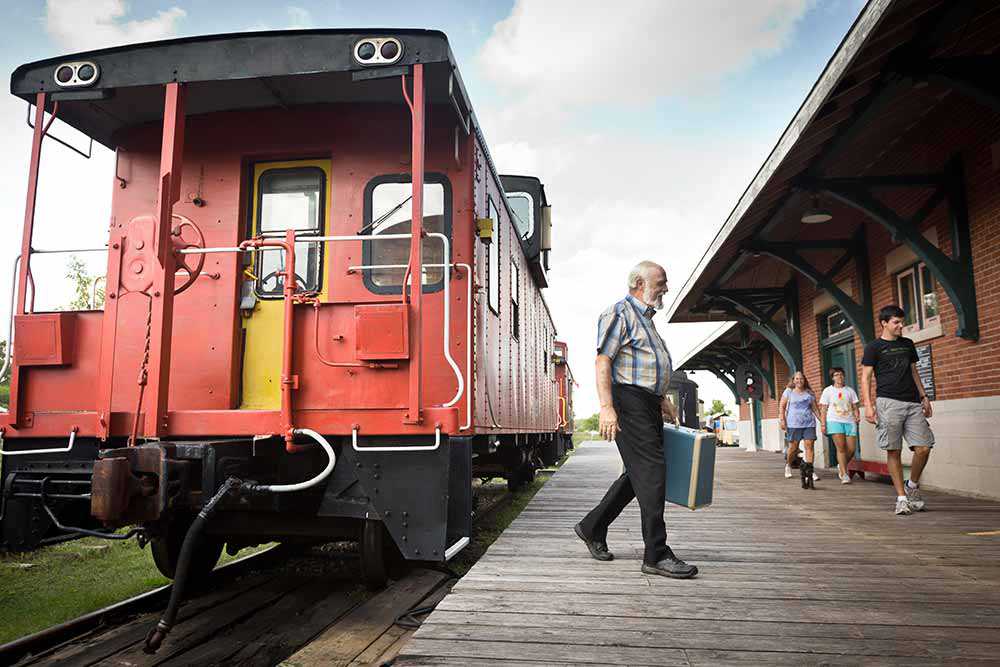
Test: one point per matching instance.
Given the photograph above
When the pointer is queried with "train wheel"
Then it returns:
(380, 559)
(166, 549)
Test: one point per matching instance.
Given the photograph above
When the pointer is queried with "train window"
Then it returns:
(388, 211)
(290, 199)
(523, 207)
(515, 306)
(493, 259)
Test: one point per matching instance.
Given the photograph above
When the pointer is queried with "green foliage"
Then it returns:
(83, 286)
(717, 407)
(587, 423)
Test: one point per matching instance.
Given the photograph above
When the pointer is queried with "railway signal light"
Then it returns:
(75, 75)
(378, 50)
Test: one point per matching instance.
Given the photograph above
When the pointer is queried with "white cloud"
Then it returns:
(633, 51)
(81, 25)
(299, 18)
(620, 196)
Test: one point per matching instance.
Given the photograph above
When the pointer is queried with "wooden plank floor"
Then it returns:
(788, 576)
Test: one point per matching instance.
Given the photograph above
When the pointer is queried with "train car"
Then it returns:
(323, 310)
(565, 382)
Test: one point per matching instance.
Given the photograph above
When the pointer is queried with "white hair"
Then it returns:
(641, 271)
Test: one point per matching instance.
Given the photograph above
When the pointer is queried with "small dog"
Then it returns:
(806, 470)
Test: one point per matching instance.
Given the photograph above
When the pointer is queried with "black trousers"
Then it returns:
(640, 443)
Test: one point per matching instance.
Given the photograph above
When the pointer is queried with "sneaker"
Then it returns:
(788, 472)
(903, 507)
(845, 479)
(915, 499)
(815, 476)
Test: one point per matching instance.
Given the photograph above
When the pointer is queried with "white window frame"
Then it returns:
(531, 212)
(924, 327)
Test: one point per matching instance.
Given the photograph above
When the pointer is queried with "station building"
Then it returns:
(884, 188)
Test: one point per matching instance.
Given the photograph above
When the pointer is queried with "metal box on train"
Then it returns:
(689, 456)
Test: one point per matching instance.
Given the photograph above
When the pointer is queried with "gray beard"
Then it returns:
(647, 297)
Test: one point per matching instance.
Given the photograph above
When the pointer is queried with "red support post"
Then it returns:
(24, 270)
(289, 381)
(416, 246)
(171, 162)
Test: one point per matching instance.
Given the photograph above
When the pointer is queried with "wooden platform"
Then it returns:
(788, 576)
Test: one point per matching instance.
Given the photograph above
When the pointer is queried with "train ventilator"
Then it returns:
(323, 313)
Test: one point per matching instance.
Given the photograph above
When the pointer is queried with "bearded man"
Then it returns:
(633, 370)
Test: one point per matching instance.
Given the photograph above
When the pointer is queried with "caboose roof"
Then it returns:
(240, 71)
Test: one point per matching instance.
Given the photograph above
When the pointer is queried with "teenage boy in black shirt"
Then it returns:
(900, 408)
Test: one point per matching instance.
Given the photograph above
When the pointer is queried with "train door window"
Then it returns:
(388, 210)
(290, 198)
(522, 205)
(515, 306)
(493, 260)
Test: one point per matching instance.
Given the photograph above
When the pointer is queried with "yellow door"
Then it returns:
(286, 195)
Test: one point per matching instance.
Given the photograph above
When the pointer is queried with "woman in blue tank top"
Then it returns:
(798, 413)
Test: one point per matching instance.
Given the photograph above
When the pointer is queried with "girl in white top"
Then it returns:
(839, 404)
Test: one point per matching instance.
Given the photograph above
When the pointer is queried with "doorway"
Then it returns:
(837, 344)
(285, 195)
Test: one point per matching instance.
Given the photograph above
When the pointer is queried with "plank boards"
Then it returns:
(788, 576)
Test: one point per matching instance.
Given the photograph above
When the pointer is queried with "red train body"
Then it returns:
(231, 151)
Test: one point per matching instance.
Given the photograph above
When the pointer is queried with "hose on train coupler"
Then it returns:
(159, 632)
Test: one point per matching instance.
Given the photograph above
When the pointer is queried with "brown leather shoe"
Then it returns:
(598, 550)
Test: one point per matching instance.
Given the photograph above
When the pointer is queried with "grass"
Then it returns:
(55, 584)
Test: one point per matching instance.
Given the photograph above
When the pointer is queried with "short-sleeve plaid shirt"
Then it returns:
(627, 335)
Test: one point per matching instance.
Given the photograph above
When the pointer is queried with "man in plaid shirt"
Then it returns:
(633, 371)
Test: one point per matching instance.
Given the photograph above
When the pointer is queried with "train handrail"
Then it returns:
(9, 351)
(468, 329)
(49, 450)
(460, 380)
(395, 448)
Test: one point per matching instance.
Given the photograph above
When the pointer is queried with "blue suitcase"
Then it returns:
(689, 456)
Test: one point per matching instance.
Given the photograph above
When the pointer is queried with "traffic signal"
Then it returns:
(748, 383)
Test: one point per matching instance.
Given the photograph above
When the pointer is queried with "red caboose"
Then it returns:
(264, 333)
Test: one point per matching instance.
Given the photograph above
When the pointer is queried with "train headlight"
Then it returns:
(75, 75)
(378, 50)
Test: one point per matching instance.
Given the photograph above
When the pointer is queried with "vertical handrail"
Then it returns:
(416, 240)
(9, 349)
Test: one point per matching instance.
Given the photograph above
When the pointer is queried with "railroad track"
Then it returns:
(275, 607)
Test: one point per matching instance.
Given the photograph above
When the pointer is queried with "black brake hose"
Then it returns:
(159, 632)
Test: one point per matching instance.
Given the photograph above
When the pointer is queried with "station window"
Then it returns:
(388, 210)
(515, 305)
(493, 260)
(522, 205)
(290, 198)
(915, 288)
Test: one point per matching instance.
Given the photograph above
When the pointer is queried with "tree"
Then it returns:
(717, 407)
(83, 286)
(587, 423)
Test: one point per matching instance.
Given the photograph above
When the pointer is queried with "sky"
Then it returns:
(645, 119)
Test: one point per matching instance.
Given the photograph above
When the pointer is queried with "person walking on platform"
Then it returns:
(899, 408)
(839, 404)
(633, 369)
(798, 414)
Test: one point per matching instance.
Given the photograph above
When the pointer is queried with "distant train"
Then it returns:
(324, 313)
